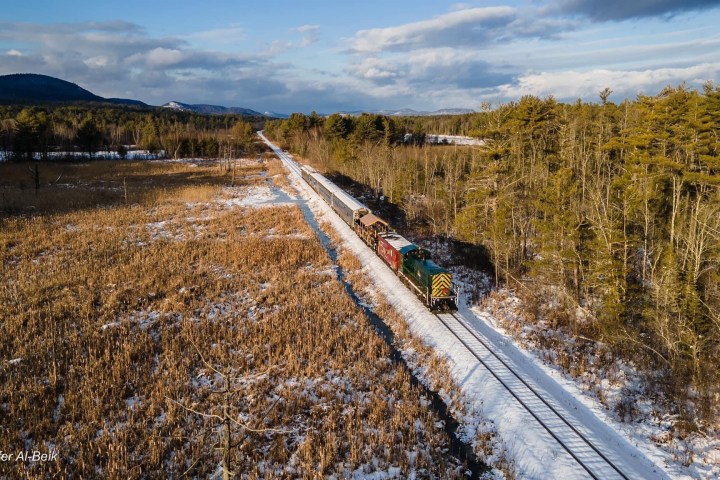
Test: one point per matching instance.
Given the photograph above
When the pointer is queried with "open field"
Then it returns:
(153, 315)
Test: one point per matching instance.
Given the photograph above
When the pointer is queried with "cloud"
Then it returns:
(462, 27)
(277, 47)
(570, 85)
(33, 30)
(307, 28)
(614, 10)
(164, 57)
(311, 37)
(433, 68)
(628, 51)
(219, 36)
(121, 59)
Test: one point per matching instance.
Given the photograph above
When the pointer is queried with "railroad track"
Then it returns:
(568, 436)
(284, 157)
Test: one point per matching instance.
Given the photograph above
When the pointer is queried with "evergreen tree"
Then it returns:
(89, 137)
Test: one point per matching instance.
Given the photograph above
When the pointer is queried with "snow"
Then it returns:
(60, 403)
(255, 196)
(454, 140)
(132, 402)
(98, 155)
(529, 447)
(603, 389)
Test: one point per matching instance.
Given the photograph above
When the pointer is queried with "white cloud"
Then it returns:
(455, 28)
(307, 41)
(307, 28)
(587, 84)
(374, 69)
(433, 69)
(311, 36)
(164, 57)
(14, 53)
(98, 61)
(277, 47)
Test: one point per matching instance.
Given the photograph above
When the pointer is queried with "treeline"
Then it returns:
(28, 133)
(611, 207)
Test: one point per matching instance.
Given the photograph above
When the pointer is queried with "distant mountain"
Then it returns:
(32, 88)
(451, 111)
(276, 115)
(127, 101)
(408, 112)
(210, 109)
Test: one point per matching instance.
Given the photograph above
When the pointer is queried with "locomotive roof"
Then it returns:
(371, 219)
(433, 268)
(398, 242)
(339, 193)
(421, 257)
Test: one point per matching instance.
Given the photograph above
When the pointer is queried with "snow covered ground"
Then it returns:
(454, 140)
(534, 452)
(612, 389)
(131, 154)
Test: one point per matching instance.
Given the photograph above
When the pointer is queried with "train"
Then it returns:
(413, 264)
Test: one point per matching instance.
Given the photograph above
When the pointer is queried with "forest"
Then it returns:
(66, 131)
(609, 213)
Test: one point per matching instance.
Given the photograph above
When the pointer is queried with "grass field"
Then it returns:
(152, 315)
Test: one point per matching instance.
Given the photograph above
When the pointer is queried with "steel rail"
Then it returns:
(490, 350)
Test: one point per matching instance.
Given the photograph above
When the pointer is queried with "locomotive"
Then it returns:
(413, 264)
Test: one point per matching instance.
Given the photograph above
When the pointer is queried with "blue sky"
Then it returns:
(285, 55)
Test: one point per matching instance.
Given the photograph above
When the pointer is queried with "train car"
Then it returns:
(307, 175)
(391, 247)
(319, 183)
(369, 229)
(432, 281)
(325, 192)
(346, 206)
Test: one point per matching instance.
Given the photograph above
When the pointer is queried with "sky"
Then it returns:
(298, 56)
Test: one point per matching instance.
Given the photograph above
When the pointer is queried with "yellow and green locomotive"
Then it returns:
(431, 282)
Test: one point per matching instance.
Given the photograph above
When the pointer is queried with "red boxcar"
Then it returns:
(391, 248)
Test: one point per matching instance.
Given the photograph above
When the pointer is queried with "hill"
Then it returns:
(408, 112)
(211, 109)
(37, 89)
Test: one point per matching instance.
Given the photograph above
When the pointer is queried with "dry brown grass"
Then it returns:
(277, 172)
(105, 306)
(67, 187)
